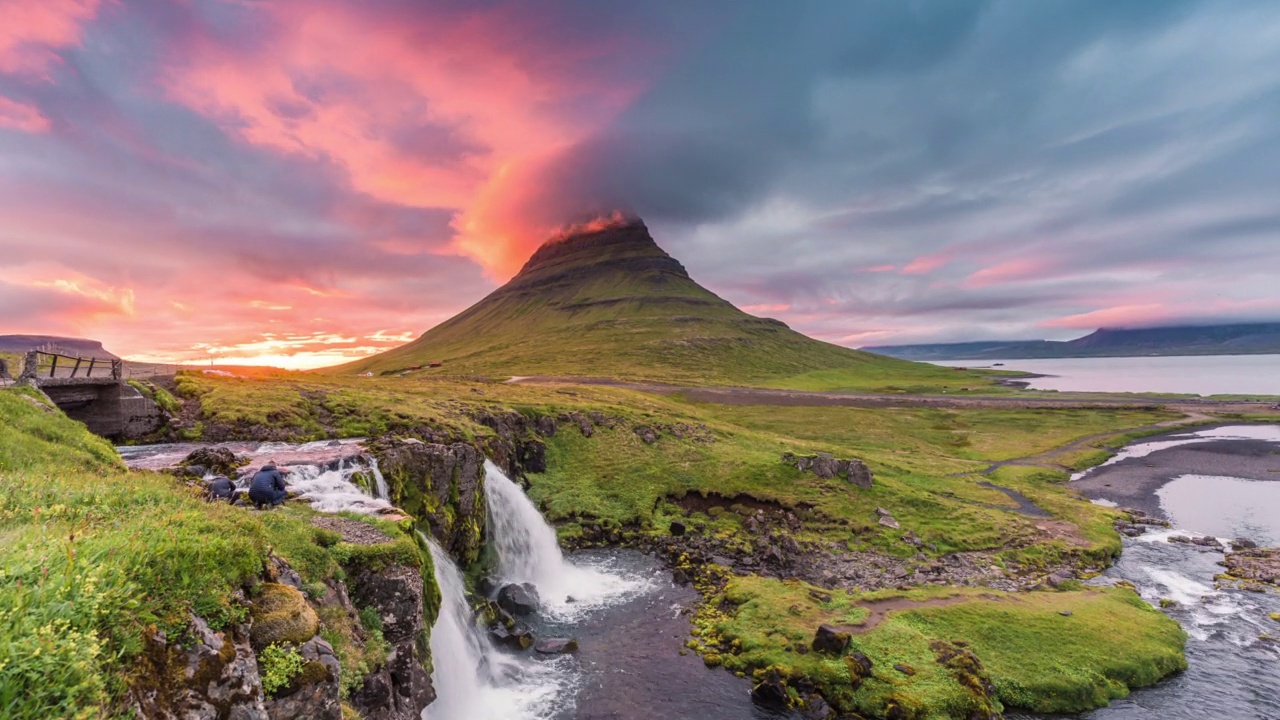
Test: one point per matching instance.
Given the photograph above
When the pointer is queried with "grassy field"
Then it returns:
(927, 464)
(93, 559)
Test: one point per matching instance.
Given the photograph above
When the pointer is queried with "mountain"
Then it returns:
(611, 303)
(17, 344)
(1237, 339)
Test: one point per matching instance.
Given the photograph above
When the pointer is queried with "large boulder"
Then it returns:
(519, 600)
(281, 615)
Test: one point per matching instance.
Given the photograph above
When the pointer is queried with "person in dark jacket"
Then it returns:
(220, 488)
(267, 488)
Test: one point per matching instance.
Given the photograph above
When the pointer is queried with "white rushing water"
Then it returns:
(334, 490)
(528, 552)
(472, 678)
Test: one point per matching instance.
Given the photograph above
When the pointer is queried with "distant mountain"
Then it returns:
(1238, 339)
(611, 303)
(69, 346)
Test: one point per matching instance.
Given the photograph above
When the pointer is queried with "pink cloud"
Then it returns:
(18, 116)
(878, 269)
(1006, 272)
(33, 31)
(926, 263)
(767, 308)
(1119, 316)
(434, 110)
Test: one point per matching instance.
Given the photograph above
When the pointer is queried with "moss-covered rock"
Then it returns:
(281, 615)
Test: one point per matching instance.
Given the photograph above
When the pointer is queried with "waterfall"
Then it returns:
(380, 483)
(474, 681)
(528, 552)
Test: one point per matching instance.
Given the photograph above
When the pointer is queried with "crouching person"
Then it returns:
(267, 488)
(220, 488)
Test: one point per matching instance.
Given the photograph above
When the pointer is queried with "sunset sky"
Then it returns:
(299, 182)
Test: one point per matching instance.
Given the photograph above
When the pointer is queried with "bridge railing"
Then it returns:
(40, 364)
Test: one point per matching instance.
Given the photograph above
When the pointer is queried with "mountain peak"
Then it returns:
(618, 243)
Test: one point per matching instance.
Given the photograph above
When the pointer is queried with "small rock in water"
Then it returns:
(556, 646)
(517, 638)
(1243, 544)
(569, 600)
(518, 599)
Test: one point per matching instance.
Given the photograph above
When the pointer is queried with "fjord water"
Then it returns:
(1197, 375)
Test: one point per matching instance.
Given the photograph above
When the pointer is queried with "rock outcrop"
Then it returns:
(401, 688)
(440, 485)
(827, 466)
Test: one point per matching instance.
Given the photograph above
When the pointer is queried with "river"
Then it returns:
(1220, 482)
(631, 621)
(1249, 375)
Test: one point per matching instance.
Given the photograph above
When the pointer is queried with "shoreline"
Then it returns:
(1133, 483)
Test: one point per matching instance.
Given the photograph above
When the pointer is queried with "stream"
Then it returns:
(1217, 482)
(631, 621)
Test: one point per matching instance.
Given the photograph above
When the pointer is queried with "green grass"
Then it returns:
(1036, 658)
(93, 557)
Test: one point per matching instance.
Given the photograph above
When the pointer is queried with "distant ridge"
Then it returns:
(1234, 339)
(608, 302)
(71, 346)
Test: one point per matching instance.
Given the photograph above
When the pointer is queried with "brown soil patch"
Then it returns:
(1062, 530)
(352, 531)
(880, 609)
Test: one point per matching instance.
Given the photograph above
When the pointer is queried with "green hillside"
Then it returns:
(611, 303)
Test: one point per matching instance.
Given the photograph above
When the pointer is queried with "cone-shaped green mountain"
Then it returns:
(611, 303)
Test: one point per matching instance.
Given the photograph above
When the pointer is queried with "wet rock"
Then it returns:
(1243, 544)
(487, 586)
(771, 692)
(217, 460)
(281, 615)
(556, 646)
(517, 637)
(315, 693)
(815, 708)
(677, 528)
(1258, 565)
(830, 640)
(519, 600)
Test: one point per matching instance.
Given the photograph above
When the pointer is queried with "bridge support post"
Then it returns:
(30, 365)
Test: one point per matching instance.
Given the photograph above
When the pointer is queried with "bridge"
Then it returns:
(93, 391)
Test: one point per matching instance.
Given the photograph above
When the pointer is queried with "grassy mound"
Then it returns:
(1045, 652)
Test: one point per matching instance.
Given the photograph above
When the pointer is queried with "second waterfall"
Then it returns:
(473, 679)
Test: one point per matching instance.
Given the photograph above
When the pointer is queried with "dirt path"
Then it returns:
(880, 609)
